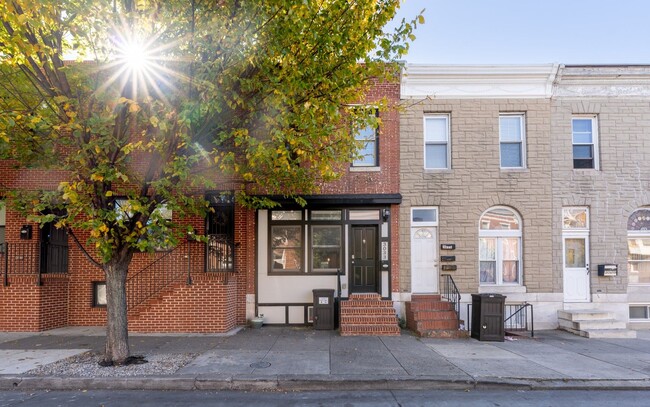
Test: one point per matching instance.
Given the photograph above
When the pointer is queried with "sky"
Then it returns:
(530, 31)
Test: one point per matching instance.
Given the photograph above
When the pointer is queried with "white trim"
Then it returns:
(594, 140)
(447, 118)
(417, 224)
(522, 142)
(500, 234)
(477, 81)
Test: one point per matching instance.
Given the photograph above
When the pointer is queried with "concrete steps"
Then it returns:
(429, 316)
(593, 324)
(368, 314)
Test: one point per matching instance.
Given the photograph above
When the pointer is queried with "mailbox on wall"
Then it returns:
(26, 232)
(607, 270)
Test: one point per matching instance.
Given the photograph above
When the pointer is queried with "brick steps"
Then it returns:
(429, 316)
(368, 314)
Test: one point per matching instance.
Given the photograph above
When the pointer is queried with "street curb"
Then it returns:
(302, 383)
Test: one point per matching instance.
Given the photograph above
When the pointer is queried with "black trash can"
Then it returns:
(324, 310)
(487, 317)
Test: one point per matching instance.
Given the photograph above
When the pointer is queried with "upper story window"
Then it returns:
(436, 142)
(585, 142)
(500, 247)
(638, 244)
(512, 140)
(368, 153)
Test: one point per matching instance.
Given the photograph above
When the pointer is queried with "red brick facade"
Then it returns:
(213, 302)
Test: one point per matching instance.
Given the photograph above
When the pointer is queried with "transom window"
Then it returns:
(511, 140)
(585, 142)
(436, 141)
(424, 216)
(500, 247)
(638, 244)
(575, 218)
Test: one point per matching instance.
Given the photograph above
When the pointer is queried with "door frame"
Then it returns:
(576, 235)
(378, 286)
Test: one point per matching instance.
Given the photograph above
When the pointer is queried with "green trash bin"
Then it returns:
(487, 317)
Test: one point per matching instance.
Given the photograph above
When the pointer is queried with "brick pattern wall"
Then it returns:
(475, 183)
(213, 303)
(29, 307)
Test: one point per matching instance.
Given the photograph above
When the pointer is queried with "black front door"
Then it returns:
(363, 262)
(54, 249)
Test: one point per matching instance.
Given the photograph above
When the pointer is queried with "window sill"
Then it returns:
(365, 169)
(501, 289)
(514, 169)
(438, 171)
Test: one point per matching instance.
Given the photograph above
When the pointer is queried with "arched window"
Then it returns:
(500, 247)
(638, 244)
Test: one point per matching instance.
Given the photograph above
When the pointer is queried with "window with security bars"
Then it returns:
(220, 253)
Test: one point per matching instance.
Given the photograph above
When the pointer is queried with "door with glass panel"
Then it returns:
(364, 262)
(576, 268)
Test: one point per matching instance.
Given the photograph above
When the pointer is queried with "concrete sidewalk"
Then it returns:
(284, 358)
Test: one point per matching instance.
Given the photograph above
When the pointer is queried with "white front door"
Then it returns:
(424, 260)
(576, 268)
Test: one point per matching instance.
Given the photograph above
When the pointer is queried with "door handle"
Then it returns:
(587, 267)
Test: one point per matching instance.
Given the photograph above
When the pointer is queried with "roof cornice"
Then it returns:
(478, 81)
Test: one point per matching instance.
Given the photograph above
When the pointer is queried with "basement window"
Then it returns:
(639, 312)
(99, 293)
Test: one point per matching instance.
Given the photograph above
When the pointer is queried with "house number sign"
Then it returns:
(323, 300)
(384, 251)
(448, 246)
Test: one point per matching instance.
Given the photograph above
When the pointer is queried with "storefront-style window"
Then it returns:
(638, 243)
(326, 247)
(500, 247)
(286, 248)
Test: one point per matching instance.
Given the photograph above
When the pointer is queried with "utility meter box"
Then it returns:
(324, 310)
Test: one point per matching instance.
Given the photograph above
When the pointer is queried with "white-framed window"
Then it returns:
(512, 140)
(640, 312)
(638, 246)
(437, 153)
(584, 131)
(424, 216)
(500, 252)
(368, 153)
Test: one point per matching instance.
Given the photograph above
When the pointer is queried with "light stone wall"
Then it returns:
(622, 183)
(475, 183)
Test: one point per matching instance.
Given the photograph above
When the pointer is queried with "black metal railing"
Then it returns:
(22, 259)
(449, 292)
(166, 269)
(220, 254)
(517, 318)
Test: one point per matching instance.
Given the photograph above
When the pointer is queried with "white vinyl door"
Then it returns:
(576, 268)
(424, 260)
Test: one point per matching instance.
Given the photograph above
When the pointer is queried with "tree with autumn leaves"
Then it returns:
(153, 100)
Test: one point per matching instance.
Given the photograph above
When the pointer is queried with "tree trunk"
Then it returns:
(117, 332)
